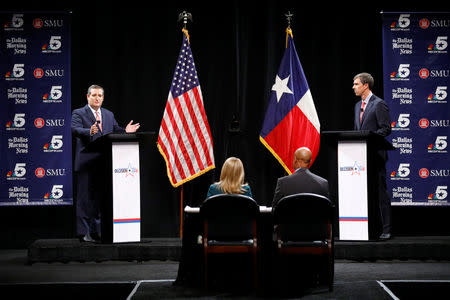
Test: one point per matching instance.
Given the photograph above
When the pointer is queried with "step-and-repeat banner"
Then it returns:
(416, 65)
(35, 141)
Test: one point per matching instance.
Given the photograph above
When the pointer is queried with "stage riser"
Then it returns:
(389, 252)
(68, 250)
(71, 250)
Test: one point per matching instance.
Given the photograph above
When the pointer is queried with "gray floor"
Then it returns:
(353, 280)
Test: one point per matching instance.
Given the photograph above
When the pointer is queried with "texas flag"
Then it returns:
(291, 119)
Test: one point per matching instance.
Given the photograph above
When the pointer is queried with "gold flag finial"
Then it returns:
(185, 16)
(288, 29)
(289, 18)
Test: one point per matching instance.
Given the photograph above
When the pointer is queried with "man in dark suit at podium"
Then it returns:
(302, 180)
(372, 114)
(89, 123)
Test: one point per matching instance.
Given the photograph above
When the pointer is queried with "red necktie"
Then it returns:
(99, 122)
(362, 111)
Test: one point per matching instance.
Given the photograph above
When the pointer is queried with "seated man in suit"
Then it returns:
(302, 180)
(89, 123)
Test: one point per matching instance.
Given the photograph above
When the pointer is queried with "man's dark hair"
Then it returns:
(95, 86)
(365, 78)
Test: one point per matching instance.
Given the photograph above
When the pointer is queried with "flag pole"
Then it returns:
(183, 16)
(289, 17)
(181, 211)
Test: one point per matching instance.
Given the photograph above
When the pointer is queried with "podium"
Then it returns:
(356, 167)
(120, 185)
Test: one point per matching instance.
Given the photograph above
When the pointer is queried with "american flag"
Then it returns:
(291, 119)
(184, 138)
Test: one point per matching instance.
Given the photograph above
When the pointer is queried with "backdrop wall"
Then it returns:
(131, 50)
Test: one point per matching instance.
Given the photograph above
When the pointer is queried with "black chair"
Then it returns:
(303, 226)
(229, 226)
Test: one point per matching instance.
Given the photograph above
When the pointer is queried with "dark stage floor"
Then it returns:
(152, 279)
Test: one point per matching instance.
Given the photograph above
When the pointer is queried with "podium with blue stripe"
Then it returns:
(356, 202)
(121, 205)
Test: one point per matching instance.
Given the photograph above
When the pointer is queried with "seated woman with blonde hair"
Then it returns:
(231, 180)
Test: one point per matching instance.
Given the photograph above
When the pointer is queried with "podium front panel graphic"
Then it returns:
(353, 194)
(126, 192)
(354, 181)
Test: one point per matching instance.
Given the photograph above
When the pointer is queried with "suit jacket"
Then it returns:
(301, 181)
(82, 120)
(214, 189)
(376, 116)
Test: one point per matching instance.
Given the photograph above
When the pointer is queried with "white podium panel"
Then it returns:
(126, 192)
(352, 179)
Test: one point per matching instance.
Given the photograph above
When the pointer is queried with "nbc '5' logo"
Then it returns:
(441, 142)
(403, 121)
(403, 170)
(403, 70)
(441, 43)
(57, 191)
(441, 192)
(20, 169)
(404, 21)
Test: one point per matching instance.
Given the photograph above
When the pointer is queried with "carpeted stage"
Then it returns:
(67, 250)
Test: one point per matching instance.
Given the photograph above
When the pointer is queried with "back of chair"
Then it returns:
(303, 217)
(229, 216)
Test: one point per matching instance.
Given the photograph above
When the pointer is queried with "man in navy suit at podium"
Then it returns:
(372, 113)
(89, 123)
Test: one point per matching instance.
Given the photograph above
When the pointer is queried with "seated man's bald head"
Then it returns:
(302, 158)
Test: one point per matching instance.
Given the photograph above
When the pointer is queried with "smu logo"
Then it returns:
(424, 73)
(41, 172)
(424, 173)
(39, 73)
(424, 123)
(40, 122)
(425, 23)
(39, 23)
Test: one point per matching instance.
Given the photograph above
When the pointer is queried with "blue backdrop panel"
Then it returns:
(35, 141)
(416, 65)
